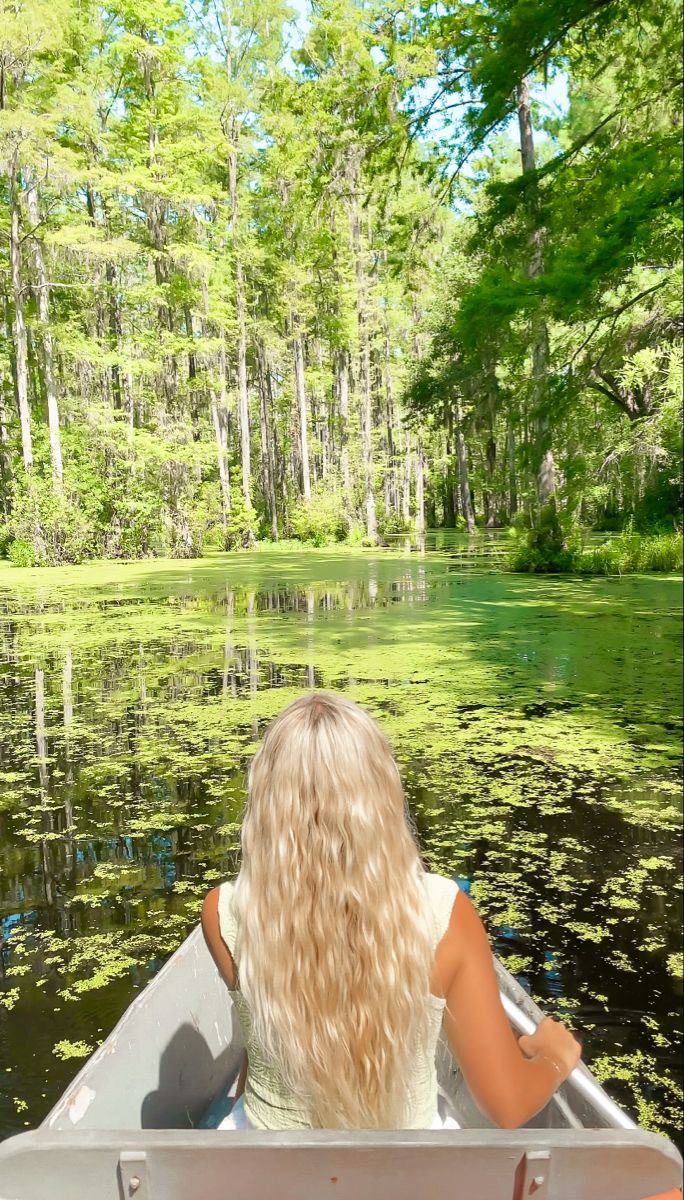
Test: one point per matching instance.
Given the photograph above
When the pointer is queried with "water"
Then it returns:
(536, 725)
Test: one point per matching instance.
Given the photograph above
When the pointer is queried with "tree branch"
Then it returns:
(613, 313)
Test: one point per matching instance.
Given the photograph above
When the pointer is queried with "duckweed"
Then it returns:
(535, 722)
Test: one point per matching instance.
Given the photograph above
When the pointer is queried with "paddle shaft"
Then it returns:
(582, 1083)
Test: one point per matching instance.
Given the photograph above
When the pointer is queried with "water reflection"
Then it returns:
(536, 726)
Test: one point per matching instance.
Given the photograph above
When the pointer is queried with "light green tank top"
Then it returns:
(269, 1103)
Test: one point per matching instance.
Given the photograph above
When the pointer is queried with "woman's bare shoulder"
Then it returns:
(211, 928)
(465, 939)
(210, 912)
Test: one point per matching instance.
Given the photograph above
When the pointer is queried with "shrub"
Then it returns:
(356, 536)
(242, 521)
(205, 519)
(213, 540)
(392, 524)
(631, 553)
(520, 520)
(45, 527)
(21, 553)
(320, 520)
(627, 553)
(546, 549)
(120, 500)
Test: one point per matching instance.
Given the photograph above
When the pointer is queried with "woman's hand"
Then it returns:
(553, 1041)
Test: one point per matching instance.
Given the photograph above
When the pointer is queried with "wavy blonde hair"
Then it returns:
(334, 951)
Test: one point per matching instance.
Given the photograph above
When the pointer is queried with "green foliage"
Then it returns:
(116, 503)
(558, 315)
(631, 552)
(46, 527)
(542, 552)
(224, 214)
(21, 552)
(205, 519)
(320, 520)
(241, 522)
(356, 535)
(391, 524)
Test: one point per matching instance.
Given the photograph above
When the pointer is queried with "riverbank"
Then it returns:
(626, 553)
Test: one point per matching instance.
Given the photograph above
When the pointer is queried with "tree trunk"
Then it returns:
(243, 395)
(324, 420)
(490, 461)
(267, 450)
(157, 231)
(46, 338)
(6, 390)
(117, 390)
(192, 376)
(4, 452)
(219, 419)
(391, 421)
(223, 470)
(342, 389)
(420, 490)
(302, 406)
(463, 481)
(546, 470)
(512, 477)
(450, 489)
(364, 352)
(406, 488)
(122, 380)
(20, 339)
(98, 333)
(430, 509)
(449, 511)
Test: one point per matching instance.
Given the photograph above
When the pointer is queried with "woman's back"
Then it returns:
(269, 1101)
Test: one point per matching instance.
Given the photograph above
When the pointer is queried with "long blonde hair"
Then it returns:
(334, 950)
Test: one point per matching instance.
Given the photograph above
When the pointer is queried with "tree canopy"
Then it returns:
(335, 278)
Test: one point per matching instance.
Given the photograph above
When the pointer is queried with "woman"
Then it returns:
(344, 957)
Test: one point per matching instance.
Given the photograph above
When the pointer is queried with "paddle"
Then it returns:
(582, 1083)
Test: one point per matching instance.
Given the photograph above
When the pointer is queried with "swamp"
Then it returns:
(535, 720)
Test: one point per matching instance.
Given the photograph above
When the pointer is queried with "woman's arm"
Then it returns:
(224, 961)
(215, 944)
(508, 1087)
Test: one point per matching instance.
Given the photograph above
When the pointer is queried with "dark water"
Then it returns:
(536, 722)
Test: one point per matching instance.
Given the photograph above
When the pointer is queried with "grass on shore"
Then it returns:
(628, 553)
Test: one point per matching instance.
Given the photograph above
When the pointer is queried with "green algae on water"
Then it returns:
(535, 723)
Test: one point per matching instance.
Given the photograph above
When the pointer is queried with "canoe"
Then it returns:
(131, 1125)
